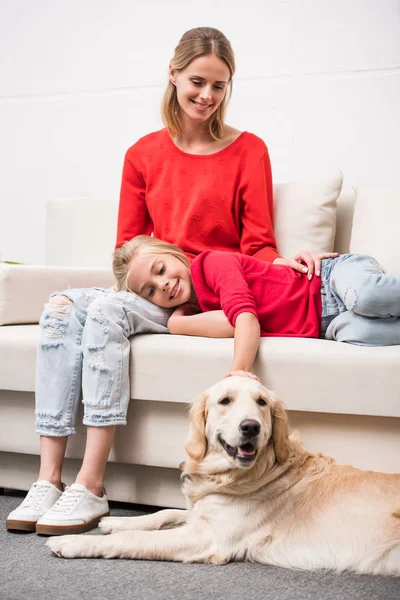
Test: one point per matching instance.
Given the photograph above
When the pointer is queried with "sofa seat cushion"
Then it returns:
(18, 344)
(308, 374)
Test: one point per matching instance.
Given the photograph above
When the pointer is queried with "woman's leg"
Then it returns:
(111, 319)
(54, 325)
(58, 388)
(59, 363)
(98, 445)
(52, 452)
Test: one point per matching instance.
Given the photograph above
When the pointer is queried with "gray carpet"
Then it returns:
(28, 571)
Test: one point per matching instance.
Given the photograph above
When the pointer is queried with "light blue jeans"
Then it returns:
(84, 351)
(360, 301)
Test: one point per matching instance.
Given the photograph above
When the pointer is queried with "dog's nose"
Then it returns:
(249, 427)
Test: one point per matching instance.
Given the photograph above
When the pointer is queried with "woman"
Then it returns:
(198, 183)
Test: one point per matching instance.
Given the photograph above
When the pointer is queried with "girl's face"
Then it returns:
(201, 87)
(161, 278)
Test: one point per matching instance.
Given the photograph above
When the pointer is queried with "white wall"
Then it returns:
(81, 80)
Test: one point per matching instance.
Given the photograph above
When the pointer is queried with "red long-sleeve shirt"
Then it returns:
(219, 201)
(285, 302)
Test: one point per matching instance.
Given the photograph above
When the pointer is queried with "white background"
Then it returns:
(82, 80)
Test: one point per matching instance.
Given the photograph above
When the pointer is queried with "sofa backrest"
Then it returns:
(82, 232)
(344, 222)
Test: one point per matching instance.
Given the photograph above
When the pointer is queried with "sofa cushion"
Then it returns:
(305, 215)
(376, 225)
(25, 288)
(308, 374)
(64, 215)
(18, 346)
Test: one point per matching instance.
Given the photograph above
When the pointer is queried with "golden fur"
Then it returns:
(262, 498)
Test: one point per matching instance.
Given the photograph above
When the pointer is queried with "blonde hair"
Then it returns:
(193, 44)
(141, 244)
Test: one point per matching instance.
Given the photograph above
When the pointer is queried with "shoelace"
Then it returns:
(35, 495)
(68, 499)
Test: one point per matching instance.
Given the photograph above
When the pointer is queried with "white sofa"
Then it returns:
(344, 400)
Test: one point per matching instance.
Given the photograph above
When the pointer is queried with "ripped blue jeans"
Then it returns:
(84, 351)
(360, 301)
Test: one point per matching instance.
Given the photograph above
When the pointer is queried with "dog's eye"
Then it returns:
(261, 402)
(225, 401)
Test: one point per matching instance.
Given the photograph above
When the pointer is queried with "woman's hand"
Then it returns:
(241, 374)
(306, 262)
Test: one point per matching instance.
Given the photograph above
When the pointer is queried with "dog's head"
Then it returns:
(237, 417)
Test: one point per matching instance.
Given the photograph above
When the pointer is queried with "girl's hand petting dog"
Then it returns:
(241, 374)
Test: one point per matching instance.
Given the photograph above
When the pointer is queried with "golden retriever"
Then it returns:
(257, 495)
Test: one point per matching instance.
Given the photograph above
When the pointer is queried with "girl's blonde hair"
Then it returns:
(141, 244)
(193, 44)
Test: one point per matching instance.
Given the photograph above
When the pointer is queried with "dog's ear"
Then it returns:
(280, 432)
(196, 443)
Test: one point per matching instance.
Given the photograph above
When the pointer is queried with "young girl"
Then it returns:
(354, 301)
(199, 183)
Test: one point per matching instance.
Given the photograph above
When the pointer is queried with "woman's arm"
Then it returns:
(257, 215)
(133, 215)
(213, 324)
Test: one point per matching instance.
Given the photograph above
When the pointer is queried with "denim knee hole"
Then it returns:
(95, 312)
(96, 353)
(54, 324)
(350, 299)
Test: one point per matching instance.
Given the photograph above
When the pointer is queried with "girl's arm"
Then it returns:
(213, 324)
(247, 341)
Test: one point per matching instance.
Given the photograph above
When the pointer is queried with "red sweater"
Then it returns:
(219, 201)
(285, 302)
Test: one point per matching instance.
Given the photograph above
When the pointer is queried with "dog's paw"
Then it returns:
(111, 524)
(68, 546)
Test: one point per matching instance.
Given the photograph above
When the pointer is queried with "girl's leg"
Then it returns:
(361, 285)
(352, 328)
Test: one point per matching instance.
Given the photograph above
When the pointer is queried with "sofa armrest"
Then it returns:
(24, 289)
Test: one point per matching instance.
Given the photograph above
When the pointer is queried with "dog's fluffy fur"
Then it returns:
(256, 494)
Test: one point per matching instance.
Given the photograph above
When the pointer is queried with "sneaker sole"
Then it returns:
(69, 529)
(13, 525)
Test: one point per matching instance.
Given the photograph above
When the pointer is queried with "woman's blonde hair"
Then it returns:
(193, 44)
(141, 244)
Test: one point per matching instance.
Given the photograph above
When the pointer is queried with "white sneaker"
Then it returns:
(41, 496)
(76, 511)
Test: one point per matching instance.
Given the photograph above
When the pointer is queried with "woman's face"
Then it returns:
(201, 87)
(160, 278)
